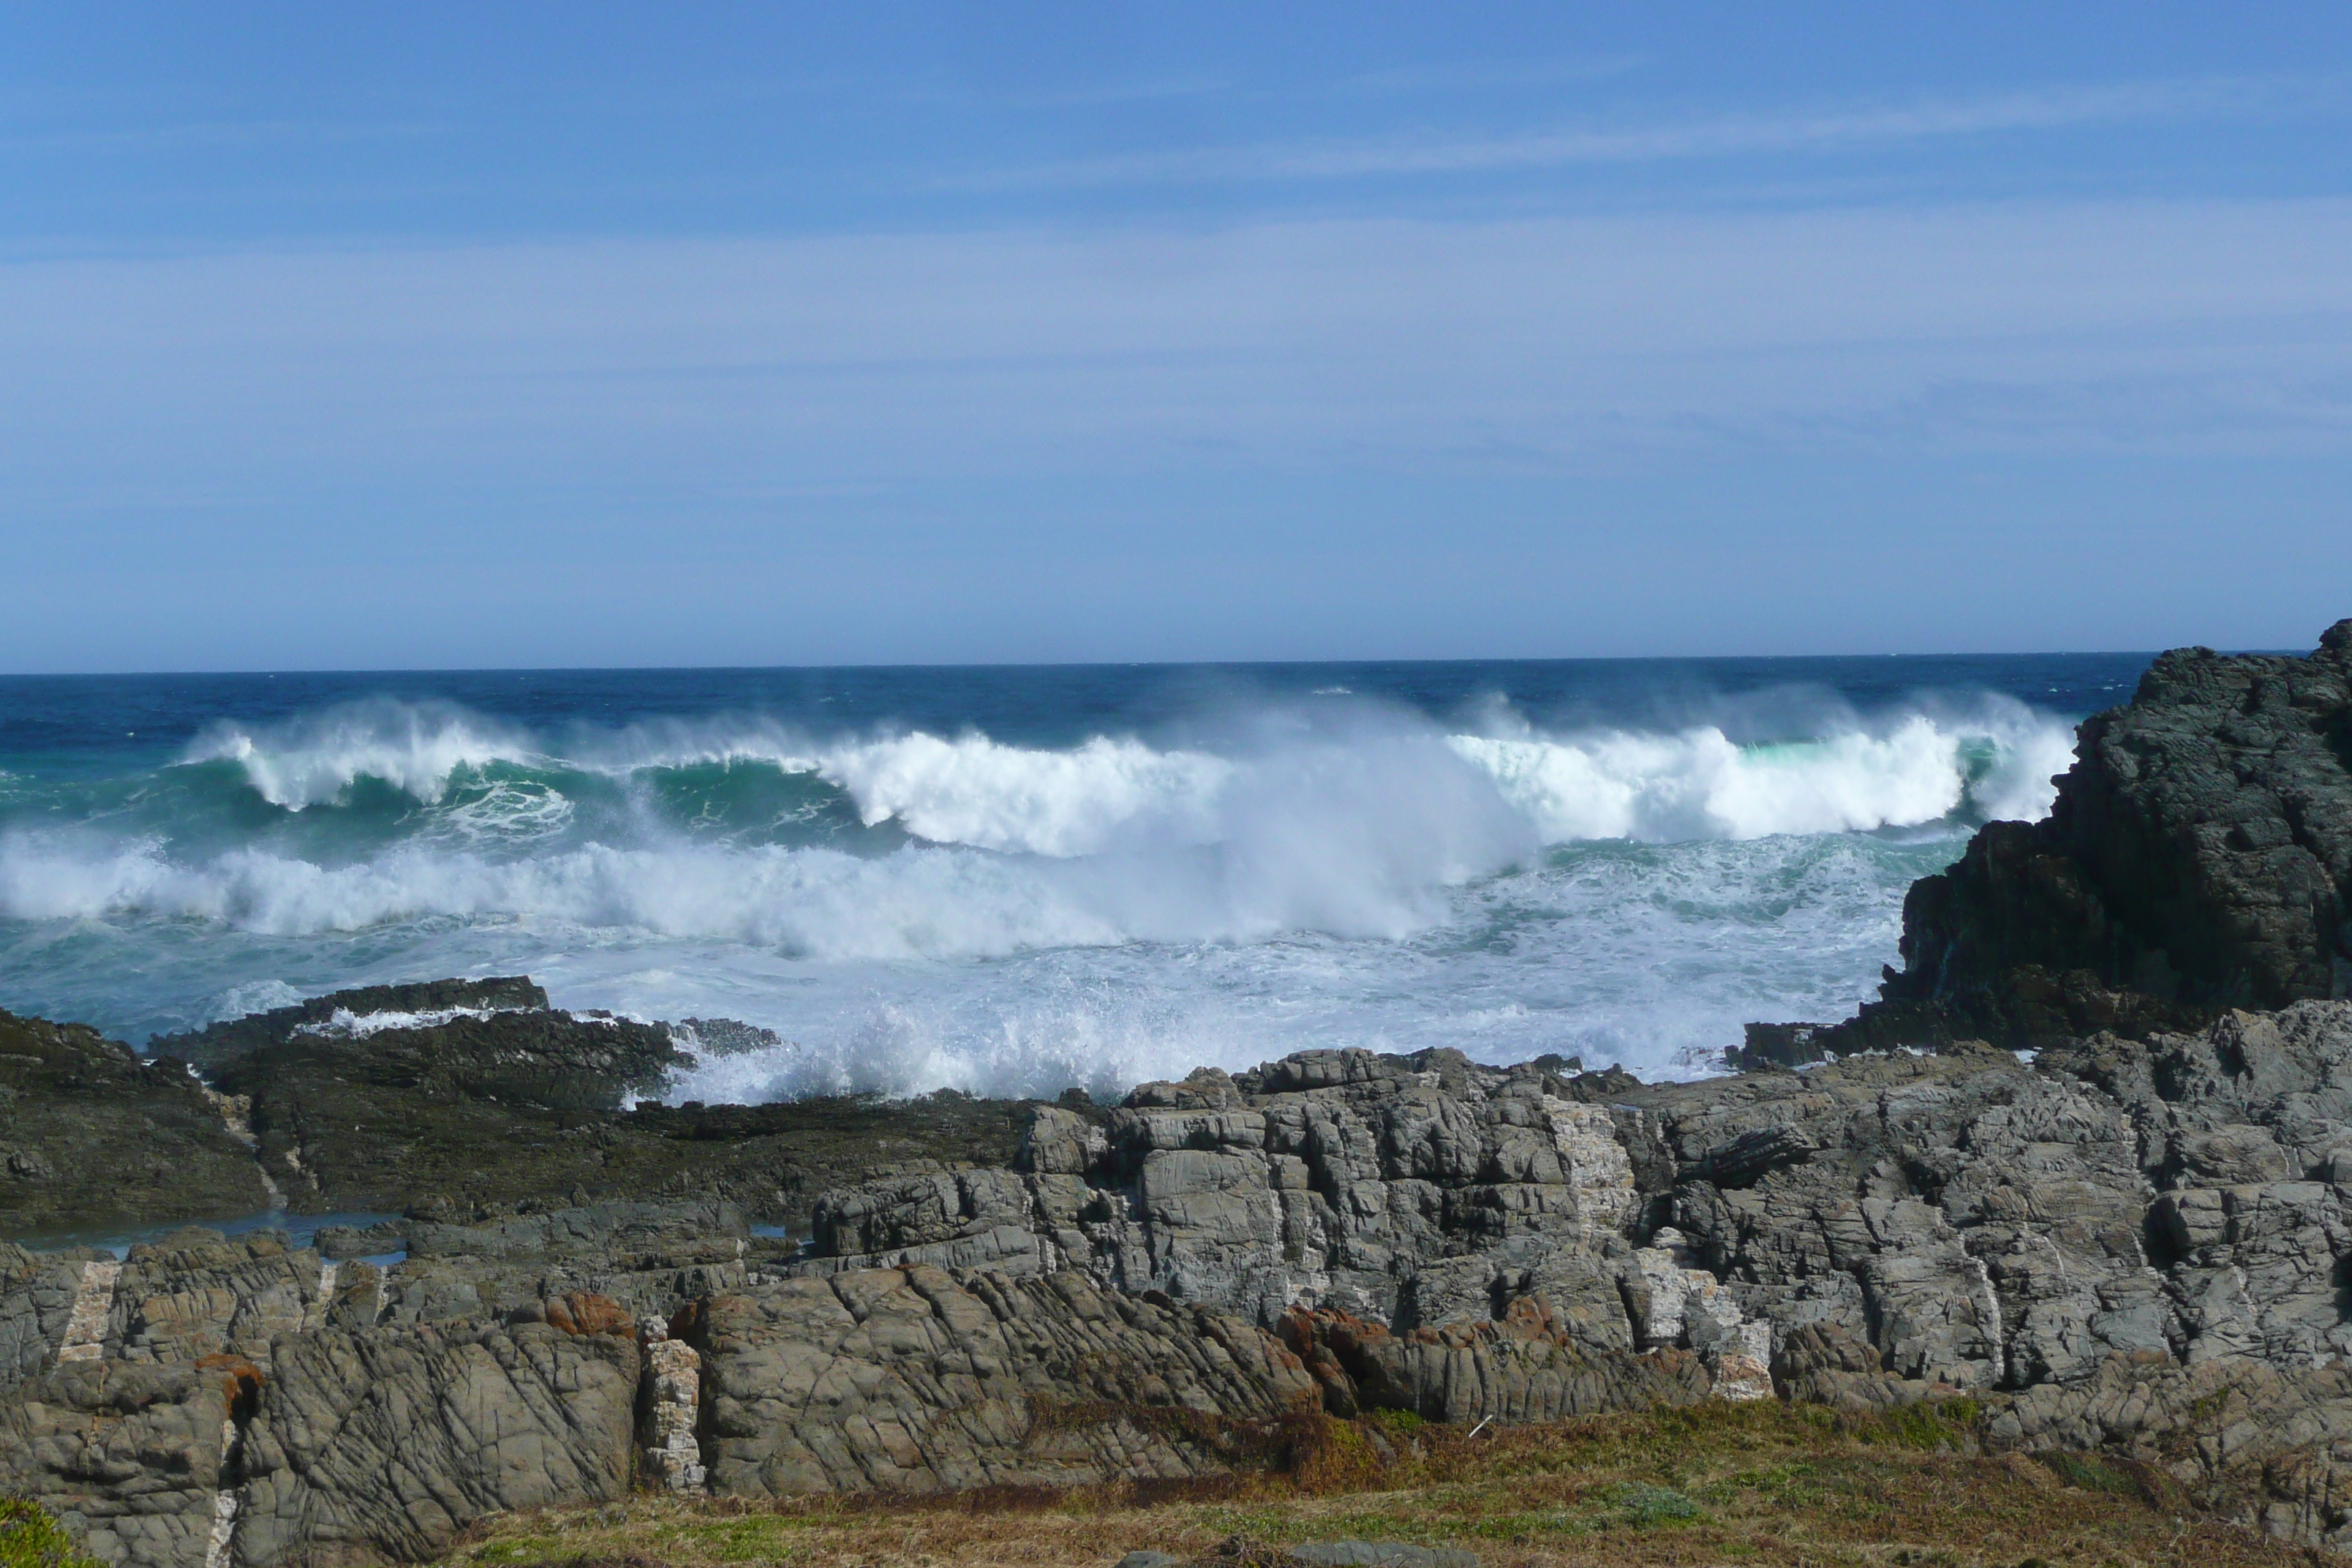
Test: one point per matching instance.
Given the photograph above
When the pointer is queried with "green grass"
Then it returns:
(1770, 1485)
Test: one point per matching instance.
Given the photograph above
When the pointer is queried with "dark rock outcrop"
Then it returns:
(232, 1038)
(92, 1136)
(2200, 848)
(532, 1058)
(457, 1099)
(2197, 857)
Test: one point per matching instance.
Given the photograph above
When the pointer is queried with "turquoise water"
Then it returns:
(1015, 879)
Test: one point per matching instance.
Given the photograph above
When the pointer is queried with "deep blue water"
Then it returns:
(1021, 878)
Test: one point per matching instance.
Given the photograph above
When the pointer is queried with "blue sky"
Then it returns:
(494, 335)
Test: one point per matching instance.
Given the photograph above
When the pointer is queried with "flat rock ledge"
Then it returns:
(2133, 1246)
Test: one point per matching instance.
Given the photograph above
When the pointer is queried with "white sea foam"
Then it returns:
(343, 1021)
(1110, 794)
(1356, 831)
(313, 760)
(1697, 783)
(1078, 802)
(1093, 913)
(1285, 869)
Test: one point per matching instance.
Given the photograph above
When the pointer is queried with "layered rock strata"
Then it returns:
(2121, 1243)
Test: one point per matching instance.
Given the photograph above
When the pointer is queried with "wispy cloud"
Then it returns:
(1469, 76)
(1720, 136)
(953, 356)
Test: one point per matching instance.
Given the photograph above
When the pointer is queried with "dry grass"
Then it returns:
(1769, 1484)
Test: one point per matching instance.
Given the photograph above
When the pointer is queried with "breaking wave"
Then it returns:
(910, 908)
(1916, 769)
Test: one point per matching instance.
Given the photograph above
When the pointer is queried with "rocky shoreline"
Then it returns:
(2083, 1180)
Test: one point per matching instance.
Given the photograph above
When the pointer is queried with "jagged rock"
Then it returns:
(2089, 1245)
(914, 1379)
(90, 1135)
(386, 1442)
(196, 1294)
(2198, 857)
(1418, 1192)
(233, 1037)
(130, 1458)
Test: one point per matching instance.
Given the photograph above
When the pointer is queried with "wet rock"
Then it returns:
(91, 1136)
(457, 1100)
(2198, 857)
(224, 1041)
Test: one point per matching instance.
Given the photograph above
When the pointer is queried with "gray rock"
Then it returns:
(37, 1298)
(1378, 1554)
(386, 1442)
(912, 1379)
(2134, 1244)
(130, 1458)
(196, 1294)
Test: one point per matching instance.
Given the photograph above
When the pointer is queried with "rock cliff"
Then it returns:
(2197, 857)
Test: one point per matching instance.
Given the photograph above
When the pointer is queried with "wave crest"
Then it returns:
(314, 760)
(1699, 784)
(1118, 795)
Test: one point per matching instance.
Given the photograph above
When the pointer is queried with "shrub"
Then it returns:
(1642, 1506)
(29, 1538)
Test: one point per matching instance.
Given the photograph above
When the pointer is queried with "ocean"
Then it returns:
(1016, 880)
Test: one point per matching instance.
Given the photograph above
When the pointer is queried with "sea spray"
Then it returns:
(1016, 894)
